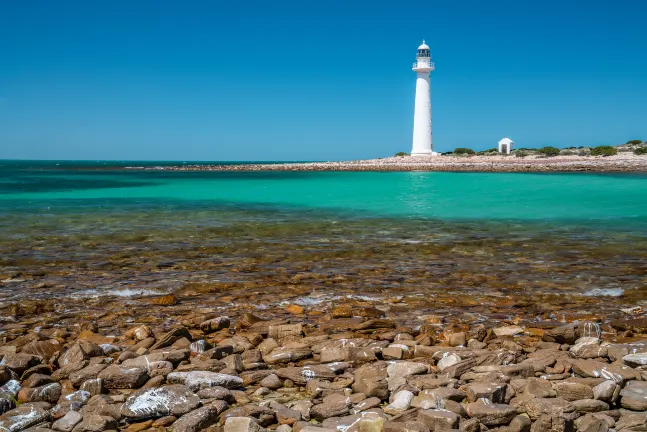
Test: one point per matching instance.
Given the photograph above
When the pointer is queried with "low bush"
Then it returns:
(400, 154)
(604, 151)
(549, 151)
(634, 142)
(463, 150)
(567, 153)
(641, 150)
(521, 153)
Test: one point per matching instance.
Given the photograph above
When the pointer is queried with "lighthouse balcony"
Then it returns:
(423, 65)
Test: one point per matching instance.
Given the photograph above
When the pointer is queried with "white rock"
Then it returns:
(67, 422)
(635, 359)
(401, 402)
(447, 361)
(198, 380)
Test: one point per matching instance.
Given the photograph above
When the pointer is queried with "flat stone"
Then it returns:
(120, 377)
(492, 391)
(199, 380)
(634, 396)
(67, 422)
(96, 423)
(491, 414)
(538, 387)
(242, 424)
(403, 369)
(573, 391)
(438, 420)
(401, 402)
(199, 419)
(590, 405)
(507, 330)
(175, 399)
(23, 417)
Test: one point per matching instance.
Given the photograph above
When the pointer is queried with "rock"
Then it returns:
(295, 309)
(590, 405)
(538, 387)
(596, 369)
(47, 393)
(507, 331)
(301, 375)
(588, 347)
(171, 337)
(537, 407)
(470, 425)
(491, 414)
(96, 423)
(589, 423)
(80, 351)
(175, 399)
(445, 393)
(272, 382)
(335, 405)
(285, 415)
(403, 369)
(438, 420)
(448, 360)
(67, 422)
(215, 324)
(478, 390)
(563, 335)
(121, 377)
(242, 424)
(79, 377)
(573, 391)
(401, 402)
(281, 331)
(457, 339)
(217, 393)
(19, 363)
(23, 417)
(93, 386)
(635, 360)
(199, 380)
(43, 349)
(605, 390)
(288, 353)
(199, 419)
(138, 427)
(547, 423)
(520, 424)
(634, 396)
(37, 380)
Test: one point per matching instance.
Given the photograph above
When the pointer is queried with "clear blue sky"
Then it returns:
(314, 80)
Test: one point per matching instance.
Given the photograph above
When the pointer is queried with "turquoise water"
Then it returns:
(616, 200)
(77, 229)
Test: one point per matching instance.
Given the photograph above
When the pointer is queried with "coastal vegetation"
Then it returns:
(634, 142)
(604, 151)
(549, 151)
(401, 154)
(464, 151)
(641, 150)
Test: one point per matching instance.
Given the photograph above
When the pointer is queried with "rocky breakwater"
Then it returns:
(342, 373)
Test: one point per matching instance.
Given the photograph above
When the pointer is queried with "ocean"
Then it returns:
(100, 229)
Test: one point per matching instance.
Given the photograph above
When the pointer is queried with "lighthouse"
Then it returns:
(422, 142)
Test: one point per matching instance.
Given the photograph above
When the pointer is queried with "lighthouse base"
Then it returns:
(431, 153)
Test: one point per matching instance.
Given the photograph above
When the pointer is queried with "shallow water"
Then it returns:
(79, 230)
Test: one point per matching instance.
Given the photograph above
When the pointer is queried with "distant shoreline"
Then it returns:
(620, 163)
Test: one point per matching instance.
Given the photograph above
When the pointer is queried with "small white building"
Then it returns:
(505, 146)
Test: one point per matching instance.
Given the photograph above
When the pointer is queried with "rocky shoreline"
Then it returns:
(623, 162)
(348, 367)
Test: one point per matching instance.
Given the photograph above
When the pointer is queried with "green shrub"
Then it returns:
(634, 142)
(521, 153)
(641, 150)
(583, 152)
(567, 153)
(604, 151)
(463, 150)
(549, 151)
(400, 154)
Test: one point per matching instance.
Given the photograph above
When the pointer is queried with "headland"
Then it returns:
(622, 162)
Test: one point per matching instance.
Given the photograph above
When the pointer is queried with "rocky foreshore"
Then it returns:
(623, 162)
(347, 368)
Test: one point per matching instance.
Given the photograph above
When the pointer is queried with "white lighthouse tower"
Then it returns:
(422, 142)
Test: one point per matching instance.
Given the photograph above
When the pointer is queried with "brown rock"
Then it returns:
(491, 414)
(438, 420)
(171, 337)
(120, 377)
(573, 391)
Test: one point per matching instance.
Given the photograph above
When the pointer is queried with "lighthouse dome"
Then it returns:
(423, 46)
